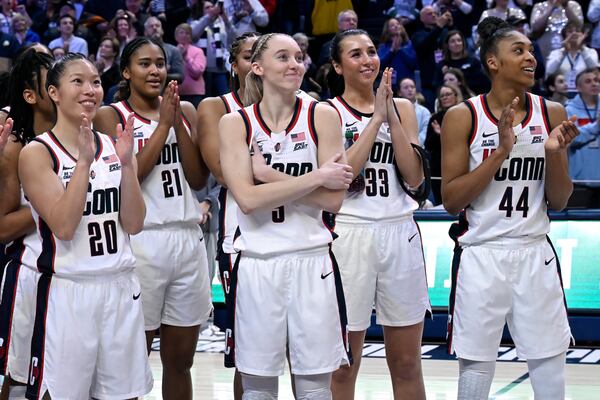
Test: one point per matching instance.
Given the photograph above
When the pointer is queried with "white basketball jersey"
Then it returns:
(228, 212)
(27, 248)
(383, 197)
(513, 205)
(169, 198)
(292, 226)
(99, 246)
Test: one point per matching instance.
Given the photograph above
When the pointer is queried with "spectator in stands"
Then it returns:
(408, 90)
(108, 67)
(107, 9)
(192, 88)
(20, 28)
(456, 56)
(123, 25)
(213, 32)
(462, 14)
(549, 18)
(309, 84)
(427, 44)
(556, 88)
(572, 57)
(584, 152)
(246, 15)
(501, 9)
(455, 76)
(175, 67)
(448, 96)
(396, 51)
(6, 14)
(593, 15)
(68, 41)
(136, 8)
(347, 19)
(58, 53)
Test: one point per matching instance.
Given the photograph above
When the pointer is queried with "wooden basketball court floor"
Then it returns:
(212, 381)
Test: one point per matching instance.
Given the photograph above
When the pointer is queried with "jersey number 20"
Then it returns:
(103, 237)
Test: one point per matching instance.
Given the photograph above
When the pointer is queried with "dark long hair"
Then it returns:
(26, 74)
(124, 91)
(335, 82)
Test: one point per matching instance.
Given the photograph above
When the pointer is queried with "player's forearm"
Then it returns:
(558, 182)
(133, 209)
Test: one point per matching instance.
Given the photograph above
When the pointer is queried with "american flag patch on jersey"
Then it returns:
(297, 137)
(535, 130)
(110, 159)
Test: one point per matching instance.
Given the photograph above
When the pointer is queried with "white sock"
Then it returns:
(17, 392)
(313, 387)
(260, 387)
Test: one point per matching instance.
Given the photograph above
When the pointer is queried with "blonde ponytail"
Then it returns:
(253, 92)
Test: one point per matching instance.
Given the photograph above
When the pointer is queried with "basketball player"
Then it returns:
(32, 112)
(504, 160)
(382, 136)
(283, 287)
(171, 258)
(210, 111)
(88, 336)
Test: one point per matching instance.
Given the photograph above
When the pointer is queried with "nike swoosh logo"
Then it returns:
(325, 276)
(135, 128)
(489, 134)
(349, 125)
(548, 261)
(411, 238)
(135, 297)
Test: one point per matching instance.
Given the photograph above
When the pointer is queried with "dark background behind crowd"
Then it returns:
(431, 45)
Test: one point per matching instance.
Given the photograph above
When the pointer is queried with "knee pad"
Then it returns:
(259, 387)
(313, 387)
(548, 377)
(475, 379)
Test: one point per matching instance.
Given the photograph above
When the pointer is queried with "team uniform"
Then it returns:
(228, 211)
(171, 258)
(505, 269)
(88, 337)
(285, 286)
(391, 277)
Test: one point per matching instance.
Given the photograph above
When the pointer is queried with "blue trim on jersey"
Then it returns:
(55, 163)
(455, 267)
(45, 261)
(7, 309)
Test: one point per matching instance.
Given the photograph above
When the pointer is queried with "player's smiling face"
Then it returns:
(281, 63)
(147, 71)
(80, 90)
(516, 60)
(359, 62)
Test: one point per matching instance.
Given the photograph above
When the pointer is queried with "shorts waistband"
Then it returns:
(319, 251)
(349, 220)
(173, 226)
(507, 243)
(101, 278)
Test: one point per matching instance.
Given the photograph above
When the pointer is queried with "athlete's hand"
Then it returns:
(436, 127)
(335, 176)
(5, 131)
(86, 141)
(124, 145)
(205, 214)
(380, 111)
(167, 106)
(259, 164)
(505, 127)
(561, 136)
(178, 120)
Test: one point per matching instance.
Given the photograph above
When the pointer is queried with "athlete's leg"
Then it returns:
(475, 379)
(403, 354)
(548, 377)
(313, 387)
(344, 379)
(238, 389)
(149, 338)
(177, 350)
(260, 387)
